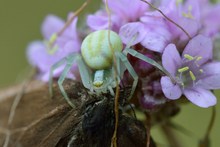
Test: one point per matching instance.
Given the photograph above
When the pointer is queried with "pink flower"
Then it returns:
(41, 56)
(122, 12)
(195, 72)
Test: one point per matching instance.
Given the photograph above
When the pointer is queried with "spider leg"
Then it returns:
(120, 67)
(146, 59)
(84, 73)
(69, 60)
(55, 66)
(111, 90)
(131, 70)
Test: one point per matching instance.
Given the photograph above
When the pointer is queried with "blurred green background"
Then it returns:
(20, 23)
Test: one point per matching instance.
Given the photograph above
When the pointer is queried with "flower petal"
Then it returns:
(211, 17)
(97, 21)
(137, 8)
(171, 59)
(158, 35)
(189, 19)
(51, 24)
(170, 90)
(200, 46)
(132, 33)
(71, 28)
(195, 11)
(37, 56)
(154, 41)
(200, 97)
(150, 102)
(211, 76)
(191, 26)
(56, 73)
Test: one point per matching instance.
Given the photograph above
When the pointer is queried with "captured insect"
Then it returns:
(97, 125)
(57, 124)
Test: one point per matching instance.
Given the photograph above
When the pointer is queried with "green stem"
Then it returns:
(170, 136)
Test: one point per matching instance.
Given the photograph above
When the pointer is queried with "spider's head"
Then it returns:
(98, 79)
(104, 80)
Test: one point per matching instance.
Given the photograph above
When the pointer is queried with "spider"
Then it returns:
(96, 63)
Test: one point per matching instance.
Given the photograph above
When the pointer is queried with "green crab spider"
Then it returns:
(95, 64)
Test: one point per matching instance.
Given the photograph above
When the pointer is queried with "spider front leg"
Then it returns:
(130, 69)
(53, 67)
(69, 62)
(146, 59)
(70, 59)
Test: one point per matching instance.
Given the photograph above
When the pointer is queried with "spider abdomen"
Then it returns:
(96, 50)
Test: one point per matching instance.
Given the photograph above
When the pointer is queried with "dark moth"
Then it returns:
(41, 121)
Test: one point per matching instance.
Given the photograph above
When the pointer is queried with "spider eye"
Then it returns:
(98, 83)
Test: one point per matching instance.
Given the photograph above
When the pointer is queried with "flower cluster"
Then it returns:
(43, 54)
(185, 51)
